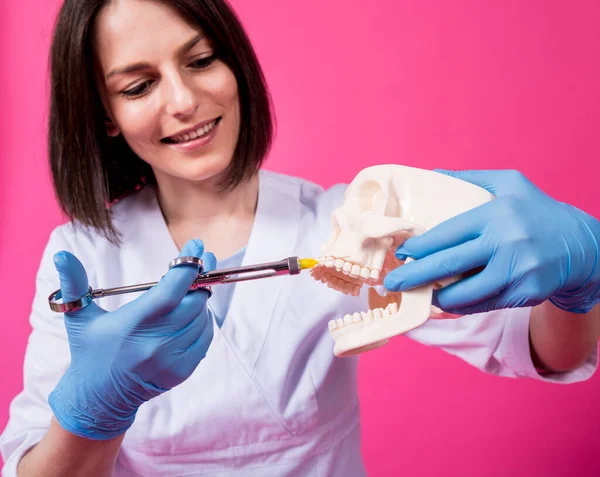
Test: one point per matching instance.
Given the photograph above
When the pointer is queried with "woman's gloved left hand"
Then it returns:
(533, 248)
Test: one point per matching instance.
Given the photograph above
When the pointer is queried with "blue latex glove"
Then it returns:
(121, 359)
(533, 248)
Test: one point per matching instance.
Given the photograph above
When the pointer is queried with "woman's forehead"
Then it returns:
(138, 30)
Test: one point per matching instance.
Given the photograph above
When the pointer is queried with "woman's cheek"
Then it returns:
(222, 84)
(139, 126)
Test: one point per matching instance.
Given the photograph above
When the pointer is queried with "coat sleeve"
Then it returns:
(46, 359)
(496, 342)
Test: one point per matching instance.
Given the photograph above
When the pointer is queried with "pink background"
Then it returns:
(452, 84)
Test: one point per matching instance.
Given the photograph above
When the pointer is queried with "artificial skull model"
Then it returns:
(383, 206)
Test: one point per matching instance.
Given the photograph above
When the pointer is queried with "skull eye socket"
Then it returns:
(371, 197)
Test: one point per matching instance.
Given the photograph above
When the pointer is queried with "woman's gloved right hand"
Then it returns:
(121, 359)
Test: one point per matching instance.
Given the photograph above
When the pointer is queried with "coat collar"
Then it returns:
(273, 237)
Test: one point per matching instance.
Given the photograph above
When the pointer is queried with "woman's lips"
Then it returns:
(196, 143)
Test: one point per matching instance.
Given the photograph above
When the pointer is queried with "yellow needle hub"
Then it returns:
(307, 263)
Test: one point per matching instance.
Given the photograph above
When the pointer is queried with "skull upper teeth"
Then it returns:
(351, 269)
(343, 276)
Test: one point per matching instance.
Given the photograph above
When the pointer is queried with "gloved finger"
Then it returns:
(507, 298)
(196, 352)
(73, 277)
(482, 178)
(194, 302)
(473, 290)
(180, 339)
(167, 320)
(444, 264)
(73, 281)
(198, 336)
(498, 182)
(210, 261)
(188, 309)
(519, 295)
(169, 292)
(450, 233)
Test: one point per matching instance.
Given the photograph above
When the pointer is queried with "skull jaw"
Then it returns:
(345, 350)
(388, 315)
(355, 338)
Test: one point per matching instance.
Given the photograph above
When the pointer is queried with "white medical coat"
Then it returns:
(270, 399)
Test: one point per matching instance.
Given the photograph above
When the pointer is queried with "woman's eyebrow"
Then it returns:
(188, 45)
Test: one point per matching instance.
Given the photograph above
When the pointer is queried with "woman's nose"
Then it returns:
(181, 100)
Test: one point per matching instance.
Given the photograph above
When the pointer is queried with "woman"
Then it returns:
(160, 109)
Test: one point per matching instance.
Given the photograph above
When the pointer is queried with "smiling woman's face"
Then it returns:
(175, 103)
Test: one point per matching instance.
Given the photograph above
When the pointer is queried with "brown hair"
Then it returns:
(91, 170)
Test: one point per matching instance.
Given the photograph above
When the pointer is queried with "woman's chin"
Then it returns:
(194, 171)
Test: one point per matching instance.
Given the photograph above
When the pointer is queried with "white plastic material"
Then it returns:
(383, 206)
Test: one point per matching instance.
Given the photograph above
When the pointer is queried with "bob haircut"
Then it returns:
(90, 170)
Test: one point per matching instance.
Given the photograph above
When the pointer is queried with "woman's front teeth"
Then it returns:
(195, 134)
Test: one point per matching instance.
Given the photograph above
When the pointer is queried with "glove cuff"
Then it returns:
(580, 302)
(79, 416)
(582, 296)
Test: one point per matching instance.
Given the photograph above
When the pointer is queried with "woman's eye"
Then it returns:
(141, 88)
(137, 90)
(203, 62)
